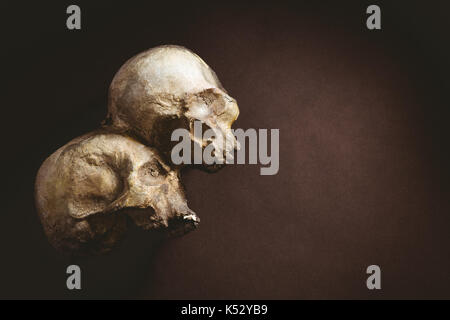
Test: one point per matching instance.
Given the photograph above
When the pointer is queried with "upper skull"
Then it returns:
(166, 88)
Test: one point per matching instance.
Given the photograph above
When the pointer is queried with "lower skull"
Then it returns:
(91, 188)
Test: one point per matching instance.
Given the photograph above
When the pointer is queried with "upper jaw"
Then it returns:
(181, 225)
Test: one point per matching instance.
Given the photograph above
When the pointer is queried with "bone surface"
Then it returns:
(170, 87)
(83, 189)
(89, 190)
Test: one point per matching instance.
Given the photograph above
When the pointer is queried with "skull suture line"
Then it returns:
(87, 189)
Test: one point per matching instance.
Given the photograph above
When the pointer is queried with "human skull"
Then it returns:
(86, 190)
(170, 87)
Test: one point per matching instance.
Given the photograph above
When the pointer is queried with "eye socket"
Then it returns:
(151, 171)
(154, 172)
(156, 169)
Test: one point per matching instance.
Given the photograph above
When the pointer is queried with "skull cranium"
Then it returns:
(170, 87)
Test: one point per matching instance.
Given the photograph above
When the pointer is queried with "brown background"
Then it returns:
(363, 178)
